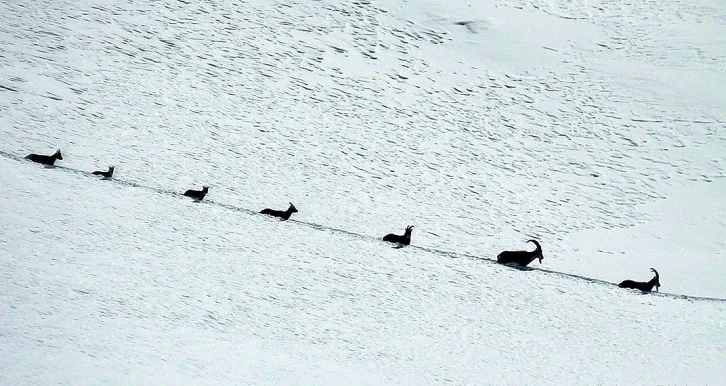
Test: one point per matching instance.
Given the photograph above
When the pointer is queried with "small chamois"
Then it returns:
(45, 159)
(404, 239)
(107, 174)
(197, 194)
(283, 215)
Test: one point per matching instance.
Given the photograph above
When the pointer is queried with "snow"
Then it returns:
(595, 127)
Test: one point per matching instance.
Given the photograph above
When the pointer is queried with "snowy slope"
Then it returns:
(176, 292)
(597, 128)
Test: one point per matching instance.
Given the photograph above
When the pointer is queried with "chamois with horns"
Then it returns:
(643, 286)
(107, 174)
(404, 239)
(283, 215)
(522, 258)
(45, 159)
(197, 194)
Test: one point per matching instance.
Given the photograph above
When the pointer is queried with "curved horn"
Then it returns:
(656, 273)
(535, 243)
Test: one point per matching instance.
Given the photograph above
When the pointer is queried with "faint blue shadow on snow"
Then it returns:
(637, 291)
(518, 267)
(450, 254)
(398, 246)
(474, 26)
(194, 200)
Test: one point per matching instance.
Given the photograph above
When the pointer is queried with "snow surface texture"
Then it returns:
(595, 127)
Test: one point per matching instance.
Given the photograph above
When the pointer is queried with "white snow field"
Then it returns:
(596, 127)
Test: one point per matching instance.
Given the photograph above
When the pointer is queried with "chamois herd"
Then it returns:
(512, 258)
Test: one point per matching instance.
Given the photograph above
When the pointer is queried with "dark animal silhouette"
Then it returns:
(283, 215)
(107, 174)
(404, 239)
(522, 258)
(643, 286)
(197, 194)
(45, 159)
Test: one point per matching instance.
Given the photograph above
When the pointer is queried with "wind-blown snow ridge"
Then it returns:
(445, 253)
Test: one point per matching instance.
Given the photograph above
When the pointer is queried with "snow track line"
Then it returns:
(561, 274)
(440, 252)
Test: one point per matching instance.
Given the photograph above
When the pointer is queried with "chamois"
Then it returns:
(197, 194)
(107, 174)
(283, 215)
(643, 286)
(404, 239)
(45, 159)
(521, 257)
